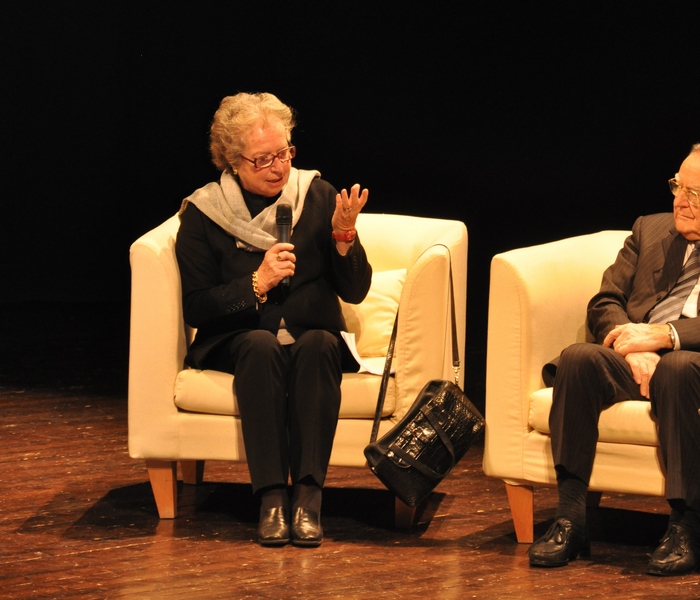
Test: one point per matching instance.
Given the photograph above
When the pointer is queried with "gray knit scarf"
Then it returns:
(223, 203)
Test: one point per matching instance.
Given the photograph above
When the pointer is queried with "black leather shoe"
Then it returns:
(273, 529)
(306, 527)
(563, 542)
(675, 555)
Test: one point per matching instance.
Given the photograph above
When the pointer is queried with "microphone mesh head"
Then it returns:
(284, 214)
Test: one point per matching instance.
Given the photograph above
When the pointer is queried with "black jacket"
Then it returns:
(216, 276)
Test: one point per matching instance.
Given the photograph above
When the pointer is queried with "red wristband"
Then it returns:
(346, 236)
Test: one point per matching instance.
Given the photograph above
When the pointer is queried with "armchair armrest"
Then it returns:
(424, 319)
(420, 245)
(157, 343)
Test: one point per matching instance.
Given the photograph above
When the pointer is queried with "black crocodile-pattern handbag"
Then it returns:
(422, 448)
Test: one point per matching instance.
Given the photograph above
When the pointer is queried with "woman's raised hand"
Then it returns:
(347, 207)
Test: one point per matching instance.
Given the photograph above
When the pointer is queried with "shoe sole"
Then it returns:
(562, 563)
(543, 563)
(307, 543)
(659, 572)
(273, 543)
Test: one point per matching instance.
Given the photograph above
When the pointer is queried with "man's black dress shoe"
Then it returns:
(563, 542)
(273, 529)
(675, 555)
(306, 527)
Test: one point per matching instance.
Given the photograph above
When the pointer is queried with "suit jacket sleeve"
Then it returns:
(608, 307)
(644, 272)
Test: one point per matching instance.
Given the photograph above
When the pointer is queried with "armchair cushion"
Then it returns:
(628, 422)
(210, 392)
(373, 319)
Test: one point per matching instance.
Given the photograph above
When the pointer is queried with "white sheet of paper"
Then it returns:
(373, 365)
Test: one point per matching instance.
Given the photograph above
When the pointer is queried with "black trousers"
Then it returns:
(590, 377)
(289, 399)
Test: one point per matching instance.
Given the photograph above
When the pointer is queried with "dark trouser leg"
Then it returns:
(675, 393)
(260, 365)
(589, 377)
(314, 403)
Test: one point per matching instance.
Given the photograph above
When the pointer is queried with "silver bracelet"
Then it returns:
(672, 336)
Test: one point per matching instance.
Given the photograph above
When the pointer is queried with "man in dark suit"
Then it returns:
(646, 327)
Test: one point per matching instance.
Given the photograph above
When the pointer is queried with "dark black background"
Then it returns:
(529, 121)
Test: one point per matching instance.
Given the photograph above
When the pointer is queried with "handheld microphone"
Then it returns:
(284, 228)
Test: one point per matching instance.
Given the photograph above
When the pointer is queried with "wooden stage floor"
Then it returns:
(77, 519)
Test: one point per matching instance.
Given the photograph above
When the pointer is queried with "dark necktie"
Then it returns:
(670, 308)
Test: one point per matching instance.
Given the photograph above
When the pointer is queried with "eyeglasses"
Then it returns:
(676, 188)
(267, 159)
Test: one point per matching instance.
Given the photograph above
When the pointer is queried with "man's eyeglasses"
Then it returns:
(267, 159)
(676, 188)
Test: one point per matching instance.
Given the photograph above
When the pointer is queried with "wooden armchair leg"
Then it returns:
(192, 471)
(522, 509)
(163, 476)
(404, 515)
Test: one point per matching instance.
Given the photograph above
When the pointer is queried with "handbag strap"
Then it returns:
(384, 383)
(390, 355)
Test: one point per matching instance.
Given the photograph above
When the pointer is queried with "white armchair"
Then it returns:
(185, 415)
(537, 307)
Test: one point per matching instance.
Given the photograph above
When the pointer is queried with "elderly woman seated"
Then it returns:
(267, 310)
